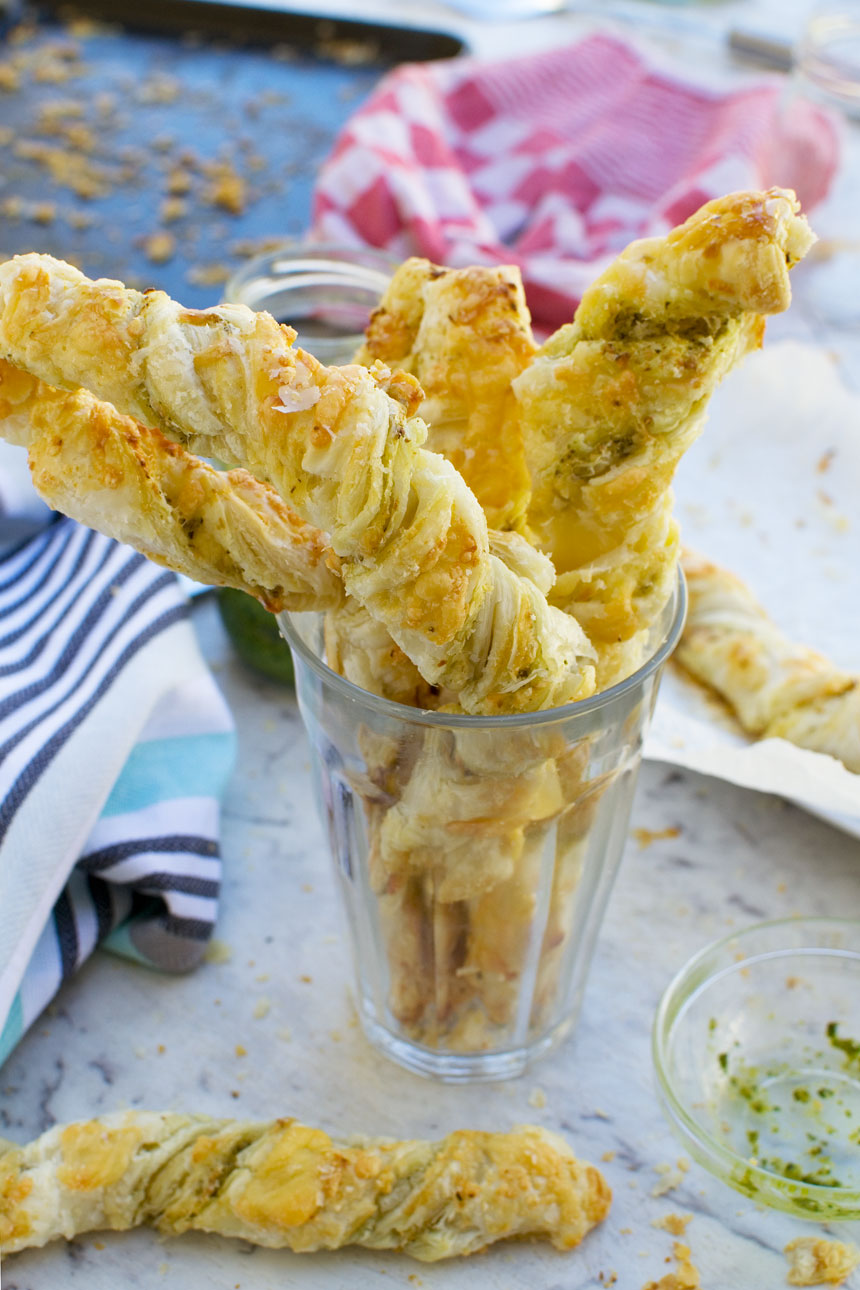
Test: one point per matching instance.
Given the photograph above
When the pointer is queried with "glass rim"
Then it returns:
(461, 720)
(373, 266)
(673, 997)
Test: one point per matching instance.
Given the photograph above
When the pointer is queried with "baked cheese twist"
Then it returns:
(132, 483)
(338, 445)
(774, 686)
(465, 334)
(281, 1184)
(613, 400)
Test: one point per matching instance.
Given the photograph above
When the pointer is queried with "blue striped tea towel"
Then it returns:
(115, 744)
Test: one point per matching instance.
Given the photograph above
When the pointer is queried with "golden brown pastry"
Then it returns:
(465, 334)
(464, 823)
(613, 400)
(361, 649)
(281, 1184)
(774, 686)
(130, 482)
(338, 445)
(818, 1261)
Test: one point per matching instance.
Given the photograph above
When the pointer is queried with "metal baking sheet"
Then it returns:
(166, 158)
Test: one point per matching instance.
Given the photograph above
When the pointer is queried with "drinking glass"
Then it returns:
(475, 855)
(325, 292)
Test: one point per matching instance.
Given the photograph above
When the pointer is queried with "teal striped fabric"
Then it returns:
(115, 746)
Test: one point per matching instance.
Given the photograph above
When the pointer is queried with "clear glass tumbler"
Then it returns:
(326, 292)
(475, 855)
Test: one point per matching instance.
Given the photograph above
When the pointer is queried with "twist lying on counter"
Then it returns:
(281, 1184)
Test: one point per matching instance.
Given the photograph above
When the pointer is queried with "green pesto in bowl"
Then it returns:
(757, 1054)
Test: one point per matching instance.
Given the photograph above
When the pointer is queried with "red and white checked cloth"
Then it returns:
(555, 161)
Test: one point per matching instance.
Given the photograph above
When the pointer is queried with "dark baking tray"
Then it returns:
(272, 107)
(257, 24)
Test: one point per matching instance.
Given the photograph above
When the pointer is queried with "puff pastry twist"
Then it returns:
(131, 483)
(465, 334)
(282, 1184)
(339, 447)
(775, 686)
(613, 400)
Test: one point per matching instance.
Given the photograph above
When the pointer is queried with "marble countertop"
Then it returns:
(277, 992)
(119, 1036)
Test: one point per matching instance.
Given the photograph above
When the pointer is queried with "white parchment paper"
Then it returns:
(772, 491)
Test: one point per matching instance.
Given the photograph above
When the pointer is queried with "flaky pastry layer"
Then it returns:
(282, 1184)
(465, 334)
(775, 686)
(613, 400)
(338, 445)
(222, 528)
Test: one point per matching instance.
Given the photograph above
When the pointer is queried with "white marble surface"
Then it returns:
(119, 1036)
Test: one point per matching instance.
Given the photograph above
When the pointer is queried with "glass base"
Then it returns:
(460, 1068)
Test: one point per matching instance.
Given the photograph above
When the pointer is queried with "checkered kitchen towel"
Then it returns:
(555, 161)
(114, 747)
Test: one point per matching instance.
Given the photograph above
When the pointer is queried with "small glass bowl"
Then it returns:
(326, 292)
(756, 1046)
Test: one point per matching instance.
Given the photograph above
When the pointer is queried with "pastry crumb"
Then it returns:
(241, 1051)
(671, 1176)
(218, 952)
(179, 181)
(262, 1008)
(159, 247)
(227, 189)
(686, 1277)
(208, 275)
(608, 1156)
(537, 1098)
(44, 212)
(172, 208)
(645, 837)
(817, 1261)
(676, 1224)
(159, 89)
